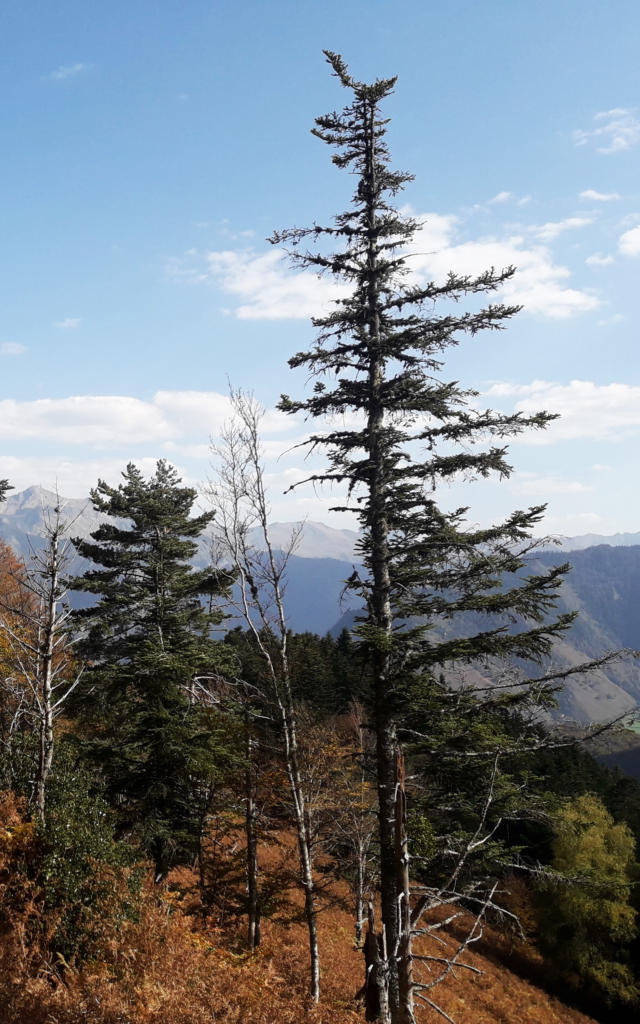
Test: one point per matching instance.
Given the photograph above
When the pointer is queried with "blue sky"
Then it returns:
(150, 148)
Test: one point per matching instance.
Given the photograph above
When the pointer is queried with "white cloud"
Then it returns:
(629, 242)
(70, 323)
(268, 291)
(104, 420)
(600, 467)
(110, 421)
(12, 348)
(73, 477)
(501, 197)
(599, 197)
(541, 486)
(538, 285)
(547, 232)
(611, 321)
(607, 412)
(68, 71)
(598, 260)
(574, 524)
(616, 130)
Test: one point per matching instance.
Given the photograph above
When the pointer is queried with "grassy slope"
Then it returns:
(169, 969)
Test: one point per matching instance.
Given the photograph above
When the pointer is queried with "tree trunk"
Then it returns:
(360, 872)
(303, 831)
(376, 979)
(404, 1012)
(253, 898)
(45, 759)
(380, 570)
(48, 629)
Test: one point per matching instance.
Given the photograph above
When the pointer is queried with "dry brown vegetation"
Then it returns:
(171, 967)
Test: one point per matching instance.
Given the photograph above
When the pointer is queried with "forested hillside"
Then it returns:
(216, 801)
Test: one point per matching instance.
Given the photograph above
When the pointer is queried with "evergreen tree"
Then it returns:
(378, 361)
(148, 640)
(4, 487)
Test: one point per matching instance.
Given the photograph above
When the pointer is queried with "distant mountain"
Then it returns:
(604, 587)
(591, 540)
(22, 517)
(317, 540)
(22, 524)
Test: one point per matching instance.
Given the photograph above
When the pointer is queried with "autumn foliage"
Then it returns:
(166, 965)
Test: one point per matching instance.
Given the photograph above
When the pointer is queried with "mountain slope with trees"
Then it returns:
(209, 799)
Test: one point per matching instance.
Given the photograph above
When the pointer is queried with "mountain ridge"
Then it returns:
(604, 587)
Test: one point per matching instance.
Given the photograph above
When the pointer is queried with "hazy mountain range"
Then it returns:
(604, 586)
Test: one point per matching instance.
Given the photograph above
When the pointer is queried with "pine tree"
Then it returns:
(148, 640)
(4, 487)
(378, 360)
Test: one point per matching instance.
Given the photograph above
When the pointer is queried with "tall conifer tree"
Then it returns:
(378, 360)
(147, 638)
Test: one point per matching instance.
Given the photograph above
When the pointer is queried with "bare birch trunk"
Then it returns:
(360, 874)
(251, 811)
(49, 608)
(404, 1012)
(45, 759)
(303, 830)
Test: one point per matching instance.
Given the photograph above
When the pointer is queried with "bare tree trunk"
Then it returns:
(251, 814)
(376, 982)
(404, 1013)
(45, 759)
(48, 628)
(360, 874)
(303, 830)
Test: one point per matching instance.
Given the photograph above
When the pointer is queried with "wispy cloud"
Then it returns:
(265, 288)
(599, 197)
(69, 71)
(71, 477)
(12, 348)
(598, 260)
(547, 232)
(615, 130)
(545, 486)
(588, 411)
(506, 197)
(69, 323)
(611, 321)
(110, 421)
(629, 242)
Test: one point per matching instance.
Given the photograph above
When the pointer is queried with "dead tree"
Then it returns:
(37, 632)
(242, 509)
